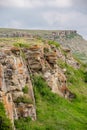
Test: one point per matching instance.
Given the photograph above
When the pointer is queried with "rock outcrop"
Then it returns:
(14, 77)
(16, 69)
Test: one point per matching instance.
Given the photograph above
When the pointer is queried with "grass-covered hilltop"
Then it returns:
(43, 86)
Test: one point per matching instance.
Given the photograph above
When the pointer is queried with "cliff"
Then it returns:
(32, 67)
(19, 65)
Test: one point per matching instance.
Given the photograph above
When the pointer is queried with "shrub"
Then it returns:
(23, 99)
(54, 43)
(25, 89)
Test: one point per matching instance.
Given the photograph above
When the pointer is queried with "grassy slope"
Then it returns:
(78, 46)
(56, 113)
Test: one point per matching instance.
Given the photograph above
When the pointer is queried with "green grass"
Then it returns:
(56, 44)
(22, 45)
(81, 56)
(71, 36)
(56, 113)
(5, 123)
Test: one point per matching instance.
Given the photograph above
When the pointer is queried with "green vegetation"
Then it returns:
(22, 54)
(5, 123)
(61, 63)
(56, 113)
(54, 43)
(71, 36)
(85, 76)
(19, 44)
(81, 56)
(22, 120)
(25, 89)
(23, 99)
(73, 75)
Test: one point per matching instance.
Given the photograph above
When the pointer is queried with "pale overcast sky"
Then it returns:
(44, 14)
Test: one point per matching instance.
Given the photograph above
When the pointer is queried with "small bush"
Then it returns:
(25, 89)
(54, 43)
(23, 99)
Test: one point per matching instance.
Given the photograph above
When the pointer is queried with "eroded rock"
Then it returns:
(16, 72)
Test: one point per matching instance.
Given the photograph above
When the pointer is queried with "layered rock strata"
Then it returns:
(16, 69)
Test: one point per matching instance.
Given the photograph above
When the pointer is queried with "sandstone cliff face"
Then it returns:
(16, 69)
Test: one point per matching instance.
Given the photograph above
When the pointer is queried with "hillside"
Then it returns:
(42, 86)
(76, 44)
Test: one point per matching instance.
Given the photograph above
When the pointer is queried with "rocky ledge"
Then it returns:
(18, 65)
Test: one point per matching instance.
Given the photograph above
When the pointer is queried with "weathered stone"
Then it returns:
(15, 73)
(35, 48)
